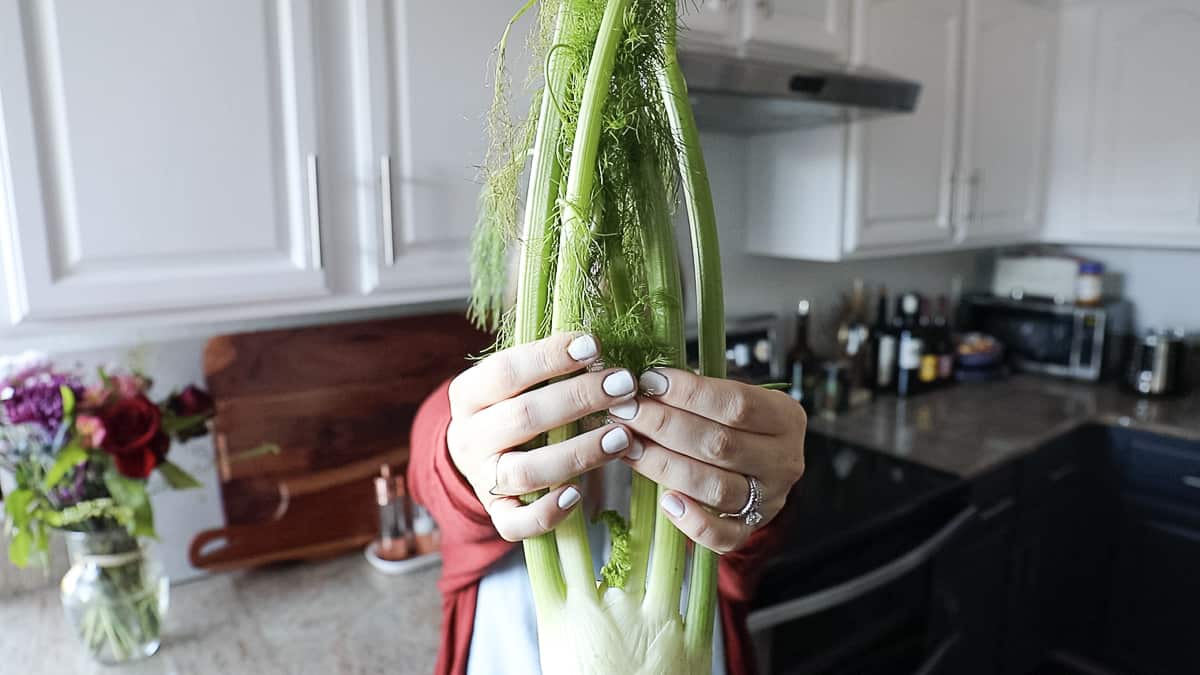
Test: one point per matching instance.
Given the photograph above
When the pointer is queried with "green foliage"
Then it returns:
(615, 572)
(91, 510)
(68, 458)
(176, 477)
(131, 494)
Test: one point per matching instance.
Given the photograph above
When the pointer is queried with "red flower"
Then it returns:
(134, 436)
(191, 401)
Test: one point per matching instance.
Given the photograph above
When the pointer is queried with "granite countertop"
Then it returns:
(968, 428)
(333, 617)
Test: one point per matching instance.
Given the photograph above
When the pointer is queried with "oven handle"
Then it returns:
(859, 586)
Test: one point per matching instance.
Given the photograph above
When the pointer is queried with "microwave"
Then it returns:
(1063, 339)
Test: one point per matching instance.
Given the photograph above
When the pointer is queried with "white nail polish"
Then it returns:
(614, 441)
(583, 348)
(654, 383)
(635, 453)
(625, 411)
(569, 497)
(672, 505)
(619, 383)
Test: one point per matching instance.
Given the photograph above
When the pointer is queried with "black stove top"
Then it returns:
(854, 509)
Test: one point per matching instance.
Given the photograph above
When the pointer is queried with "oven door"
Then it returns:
(878, 621)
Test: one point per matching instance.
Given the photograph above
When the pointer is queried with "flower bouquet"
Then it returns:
(81, 452)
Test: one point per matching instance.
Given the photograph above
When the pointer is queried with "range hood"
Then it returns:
(744, 95)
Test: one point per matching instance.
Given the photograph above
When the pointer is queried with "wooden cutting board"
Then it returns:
(339, 401)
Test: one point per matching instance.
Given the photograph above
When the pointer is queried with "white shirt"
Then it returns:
(504, 640)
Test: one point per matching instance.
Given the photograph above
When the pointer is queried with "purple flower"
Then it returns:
(38, 401)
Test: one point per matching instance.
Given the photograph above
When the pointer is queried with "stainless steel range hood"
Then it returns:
(744, 95)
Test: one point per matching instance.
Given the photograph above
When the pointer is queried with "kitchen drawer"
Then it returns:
(1164, 468)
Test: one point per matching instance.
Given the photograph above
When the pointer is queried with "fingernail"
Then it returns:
(570, 496)
(626, 411)
(614, 441)
(672, 505)
(583, 348)
(635, 453)
(619, 383)
(654, 383)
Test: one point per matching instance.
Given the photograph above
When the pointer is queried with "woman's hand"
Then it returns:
(497, 405)
(704, 438)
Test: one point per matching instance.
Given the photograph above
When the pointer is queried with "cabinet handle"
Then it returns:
(996, 509)
(1192, 481)
(1063, 472)
(974, 180)
(314, 210)
(385, 210)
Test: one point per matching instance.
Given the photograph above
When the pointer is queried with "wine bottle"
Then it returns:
(910, 346)
(928, 374)
(801, 358)
(884, 341)
(945, 349)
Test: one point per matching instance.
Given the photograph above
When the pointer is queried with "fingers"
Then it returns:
(725, 491)
(721, 535)
(516, 522)
(698, 437)
(516, 420)
(731, 403)
(518, 473)
(518, 368)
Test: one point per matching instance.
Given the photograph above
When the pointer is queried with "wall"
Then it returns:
(1156, 281)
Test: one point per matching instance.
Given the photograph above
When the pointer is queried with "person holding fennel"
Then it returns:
(585, 404)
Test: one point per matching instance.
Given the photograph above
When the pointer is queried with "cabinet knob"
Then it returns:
(765, 8)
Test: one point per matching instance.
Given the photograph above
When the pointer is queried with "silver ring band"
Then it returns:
(749, 513)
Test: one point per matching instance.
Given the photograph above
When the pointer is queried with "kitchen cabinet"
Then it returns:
(811, 25)
(711, 22)
(784, 29)
(418, 161)
(1008, 93)
(971, 576)
(902, 167)
(1155, 588)
(1127, 125)
(146, 170)
(950, 174)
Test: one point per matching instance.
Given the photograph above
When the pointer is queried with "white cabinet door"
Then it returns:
(1144, 148)
(1005, 122)
(814, 25)
(430, 78)
(900, 180)
(160, 155)
(711, 21)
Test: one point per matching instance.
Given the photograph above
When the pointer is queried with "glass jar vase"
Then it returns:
(115, 595)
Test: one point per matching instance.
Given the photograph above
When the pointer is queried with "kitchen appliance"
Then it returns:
(850, 590)
(748, 95)
(1060, 339)
(1156, 363)
(753, 349)
(1036, 277)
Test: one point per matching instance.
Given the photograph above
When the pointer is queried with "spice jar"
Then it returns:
(1089, 285)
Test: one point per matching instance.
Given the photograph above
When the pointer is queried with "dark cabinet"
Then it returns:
(1155, 584)
(1089, 545)
(971, 582)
